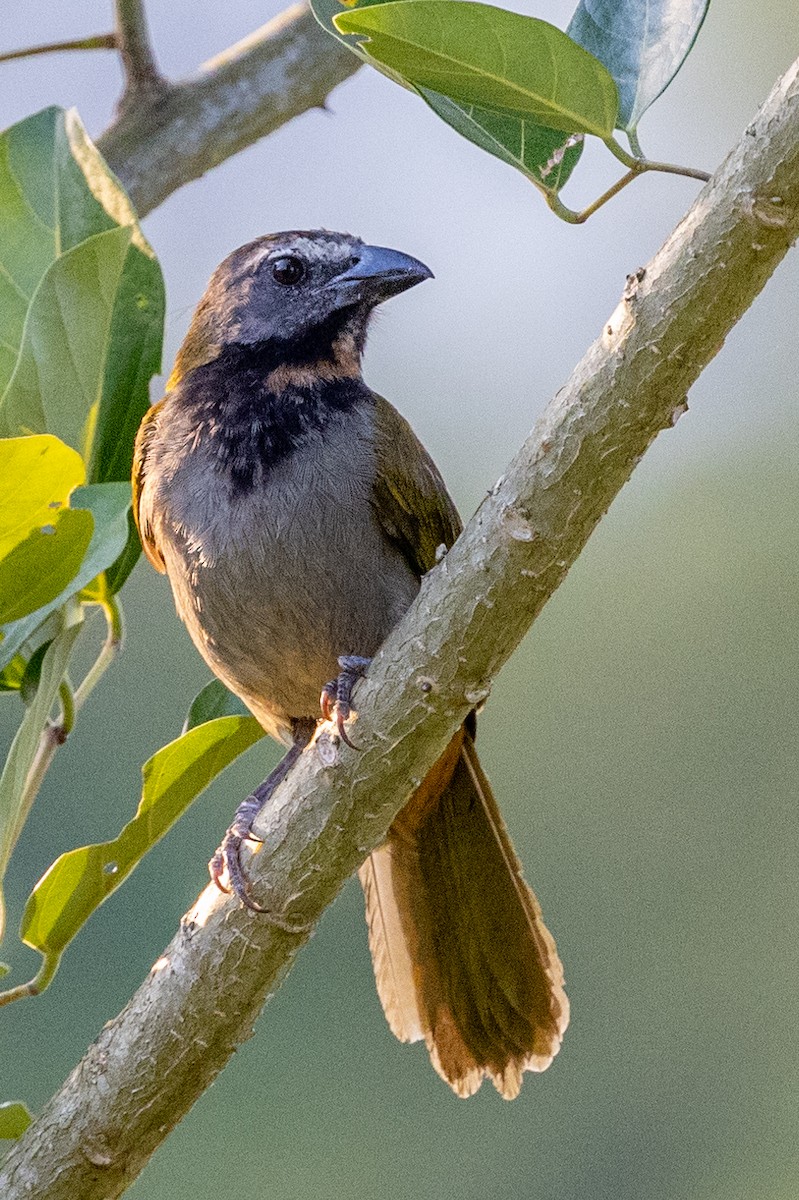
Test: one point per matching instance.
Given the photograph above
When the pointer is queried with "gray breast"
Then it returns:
(275, 583)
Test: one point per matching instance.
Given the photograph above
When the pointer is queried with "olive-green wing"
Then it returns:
(143, 437)
(409, 496)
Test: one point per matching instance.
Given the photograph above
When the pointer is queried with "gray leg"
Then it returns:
(228, 856)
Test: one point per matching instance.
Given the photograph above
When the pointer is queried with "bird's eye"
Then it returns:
(288, 269)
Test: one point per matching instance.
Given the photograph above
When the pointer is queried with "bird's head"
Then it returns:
(304, 294)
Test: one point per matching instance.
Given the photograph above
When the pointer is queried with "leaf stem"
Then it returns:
(50, 739)
(639, 165)
(115, 632)
(67, 722)
(55, 733)
(635, 145)
(42, 979)
(577, 218)
(52, 736)
(635, 166)
(99, 41)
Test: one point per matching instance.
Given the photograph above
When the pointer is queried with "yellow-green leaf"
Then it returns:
(37, 475)
(14, 1119)
(108, 505)
(80, 880)
(478, 54)
(545, 156)
(37, 570)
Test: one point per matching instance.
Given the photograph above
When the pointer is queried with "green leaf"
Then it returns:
(546, 156)
(108, 504)
(56, 192)
(57, 383)
(37, 475)
(35, 227)
(134, 356)
(213, 701)
(40, 568)
(81, 298)
(42, 542)
(643, 45)
(12, 675)
(78, 882)
(533, 149)
(14, 793)
(137, 323)
(478, 54)
(37, 636)
(117, 574)
(14, 1119)
(326, 12)
(33, 673)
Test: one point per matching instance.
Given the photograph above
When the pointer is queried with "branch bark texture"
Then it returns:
(200, 1000)
(175, 132)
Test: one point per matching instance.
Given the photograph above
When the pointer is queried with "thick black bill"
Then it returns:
(376, 273)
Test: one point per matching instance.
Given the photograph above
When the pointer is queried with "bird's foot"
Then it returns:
(226, 862)
(227, 859)
(337, 694)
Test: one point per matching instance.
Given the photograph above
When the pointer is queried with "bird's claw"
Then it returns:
(334, 708)
(227, 862)
(336, 697)
(227, 859)
(327, 701)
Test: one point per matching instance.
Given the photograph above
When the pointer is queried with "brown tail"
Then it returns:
(461, 954)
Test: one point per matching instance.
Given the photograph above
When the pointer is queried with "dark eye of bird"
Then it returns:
(288, 270)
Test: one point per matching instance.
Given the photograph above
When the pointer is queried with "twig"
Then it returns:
(152, 1062)
(100, 41)
(143, 80)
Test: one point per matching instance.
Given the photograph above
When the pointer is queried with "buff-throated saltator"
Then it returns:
(295, 513)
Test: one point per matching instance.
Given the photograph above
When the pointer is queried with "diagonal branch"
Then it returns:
(202, 997)
(161, 140)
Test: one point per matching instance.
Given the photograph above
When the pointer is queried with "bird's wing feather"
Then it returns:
(409, 496)
(143, 438)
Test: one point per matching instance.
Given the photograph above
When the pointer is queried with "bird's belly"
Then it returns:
(273, 600)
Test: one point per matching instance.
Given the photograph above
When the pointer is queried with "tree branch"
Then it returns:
(201, 998)
(159, 142)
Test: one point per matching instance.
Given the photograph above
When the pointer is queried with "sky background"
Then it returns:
(642, 742)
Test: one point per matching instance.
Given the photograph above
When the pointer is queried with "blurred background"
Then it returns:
(642, 742)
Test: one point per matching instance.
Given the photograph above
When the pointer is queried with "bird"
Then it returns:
(295, 512)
